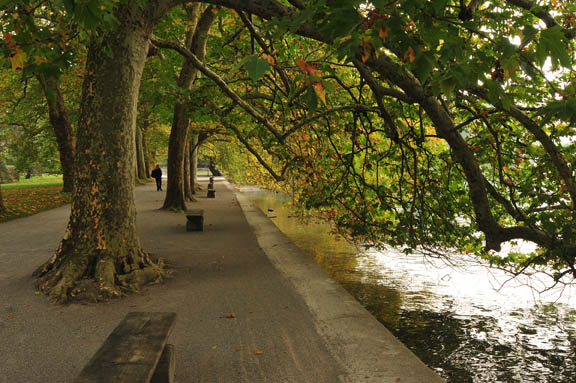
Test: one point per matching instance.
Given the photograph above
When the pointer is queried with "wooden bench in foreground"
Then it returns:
(135, 352)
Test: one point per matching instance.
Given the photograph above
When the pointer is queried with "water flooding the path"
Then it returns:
(460, 321)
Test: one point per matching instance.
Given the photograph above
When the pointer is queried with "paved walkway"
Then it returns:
(293, 324)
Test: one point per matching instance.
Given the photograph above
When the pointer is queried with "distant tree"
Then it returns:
(62, 127)
(2, 206)
(178, 157)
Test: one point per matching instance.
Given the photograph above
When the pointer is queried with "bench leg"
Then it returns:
(164, 372)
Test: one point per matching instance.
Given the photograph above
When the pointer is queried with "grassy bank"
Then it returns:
(34, 182)
(31, 196)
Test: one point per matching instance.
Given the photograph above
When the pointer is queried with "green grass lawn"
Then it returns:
(34, 182)
(31, 196)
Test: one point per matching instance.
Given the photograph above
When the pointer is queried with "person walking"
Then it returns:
(157, 174)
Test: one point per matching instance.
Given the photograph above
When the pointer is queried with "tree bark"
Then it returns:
(100, 255)
(2, 207)
(194, 162)
(213, 169)
(140, 161)
(147, 159)
(60, 122)
(188, 191)
(178, 182)
(5, 174)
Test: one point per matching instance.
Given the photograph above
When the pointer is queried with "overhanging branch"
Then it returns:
(219, 81)
(254, 152)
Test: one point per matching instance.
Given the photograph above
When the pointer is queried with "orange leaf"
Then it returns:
(410, 55)
(9, 40)
(270, 59)
(383, 32)
(365, 55)
(320, 91)
(307, 68)
(259, 352)
(230, 316)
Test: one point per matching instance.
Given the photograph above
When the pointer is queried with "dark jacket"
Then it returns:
(157, 173)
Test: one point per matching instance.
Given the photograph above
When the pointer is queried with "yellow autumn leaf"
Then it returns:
(344, 39)
(18, 60)
(40, 60)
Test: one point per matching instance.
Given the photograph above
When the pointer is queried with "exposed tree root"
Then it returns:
(68, 278)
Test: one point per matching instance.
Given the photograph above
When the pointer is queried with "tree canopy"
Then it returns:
(429, 125)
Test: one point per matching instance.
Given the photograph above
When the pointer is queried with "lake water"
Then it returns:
(467, 322)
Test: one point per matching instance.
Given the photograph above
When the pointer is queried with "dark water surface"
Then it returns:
(459, 320)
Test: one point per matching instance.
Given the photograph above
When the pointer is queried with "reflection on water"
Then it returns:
(454, 319)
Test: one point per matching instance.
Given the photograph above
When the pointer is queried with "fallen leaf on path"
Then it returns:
(259, 352)
(230, 316)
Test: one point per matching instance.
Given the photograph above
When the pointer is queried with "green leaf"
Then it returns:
(310, 98)
(256, 67)
(553, 41)
(423, 65)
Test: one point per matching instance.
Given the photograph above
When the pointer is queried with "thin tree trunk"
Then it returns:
(213, 169)
(194, 162)
(2, 207)
(147, 159)
(177, 180)
(100, 254)
(5, 174)
(140, 162)
(60, 121)
(188, 191)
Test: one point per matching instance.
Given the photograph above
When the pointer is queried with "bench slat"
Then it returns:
(130, 354)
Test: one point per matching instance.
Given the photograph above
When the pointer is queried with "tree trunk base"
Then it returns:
(66, 278)
(175, 206)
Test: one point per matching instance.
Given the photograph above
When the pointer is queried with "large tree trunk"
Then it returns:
(175, 198)
(101, 250)
(140, 161)
(177, 180)
(60, 121)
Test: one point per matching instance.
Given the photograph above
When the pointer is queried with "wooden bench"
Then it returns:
(135, 352)
(195, 220)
